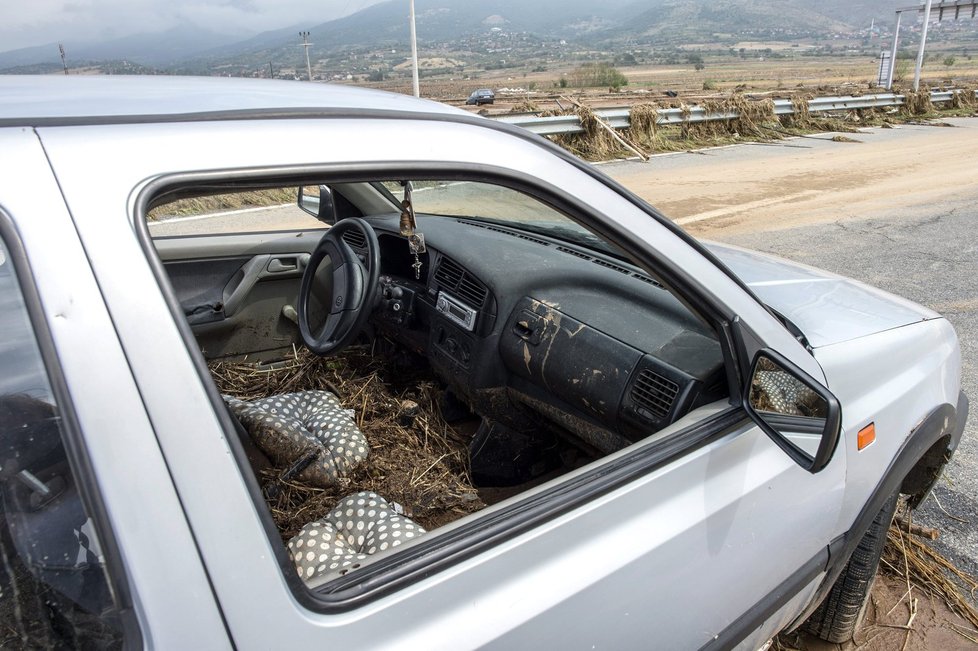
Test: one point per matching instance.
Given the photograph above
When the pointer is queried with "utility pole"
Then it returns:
(414, 53)
(306, 44)
(271, 71)
(63, 62)
(893, 52)
(923, 42)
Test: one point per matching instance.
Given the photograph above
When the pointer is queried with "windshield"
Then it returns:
(492, 203)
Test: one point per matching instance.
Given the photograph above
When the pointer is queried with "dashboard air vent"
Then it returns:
(582, 256)
(648, 279)
(355, 239)
(453, 278)
(654, 393)
(613, 267)
(506, 231)
(610, 265)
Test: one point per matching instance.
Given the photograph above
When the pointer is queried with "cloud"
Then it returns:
(40, 22)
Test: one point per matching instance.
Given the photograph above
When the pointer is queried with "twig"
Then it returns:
(916, 529)
(963, 634)
(906, 640)
(941, 507)
(906, 566)
(899, 601)
(434, 463)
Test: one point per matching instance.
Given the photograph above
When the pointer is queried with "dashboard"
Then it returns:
(524, 327)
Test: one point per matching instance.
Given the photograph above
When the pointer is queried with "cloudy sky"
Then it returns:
(24, 23)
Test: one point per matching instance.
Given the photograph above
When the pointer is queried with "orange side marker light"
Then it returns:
(866, 436)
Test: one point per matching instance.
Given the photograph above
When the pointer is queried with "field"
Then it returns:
(756, 75)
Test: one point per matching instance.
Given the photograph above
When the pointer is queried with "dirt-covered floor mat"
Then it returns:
(416, 458)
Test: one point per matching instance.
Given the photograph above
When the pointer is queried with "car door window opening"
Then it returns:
(532, 345)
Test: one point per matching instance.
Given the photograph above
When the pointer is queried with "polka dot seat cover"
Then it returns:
(783, 394)
(360, 525)
(285, 427)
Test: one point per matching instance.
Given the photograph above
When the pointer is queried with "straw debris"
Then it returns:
(643, 124)
(918, 102)
(598, 141)
(525, 106)
(964, 98)
(908, 557)
(801, 117)
(416, 459)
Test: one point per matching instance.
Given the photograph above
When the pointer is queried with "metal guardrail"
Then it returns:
(619, 118)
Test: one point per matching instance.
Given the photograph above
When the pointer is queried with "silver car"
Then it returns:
(673, 445)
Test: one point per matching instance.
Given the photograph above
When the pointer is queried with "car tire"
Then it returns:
(841, 612)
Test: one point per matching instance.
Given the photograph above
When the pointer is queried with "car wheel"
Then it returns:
(842, 610)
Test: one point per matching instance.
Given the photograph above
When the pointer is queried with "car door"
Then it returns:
(85, 489)
(676, 546)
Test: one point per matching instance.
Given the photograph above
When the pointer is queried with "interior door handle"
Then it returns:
(282, 265)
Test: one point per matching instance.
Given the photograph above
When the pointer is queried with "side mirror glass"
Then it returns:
(318, 202)
(801, 416)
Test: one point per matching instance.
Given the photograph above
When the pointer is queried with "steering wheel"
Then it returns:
(354, 287)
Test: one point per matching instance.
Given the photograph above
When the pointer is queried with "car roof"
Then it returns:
(57, 99)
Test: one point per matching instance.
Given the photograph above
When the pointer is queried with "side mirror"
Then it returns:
(318, 202)
(801, 416)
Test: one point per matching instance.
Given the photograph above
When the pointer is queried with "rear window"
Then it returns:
(54, 586)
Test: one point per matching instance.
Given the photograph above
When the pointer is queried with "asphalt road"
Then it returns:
(920, 245)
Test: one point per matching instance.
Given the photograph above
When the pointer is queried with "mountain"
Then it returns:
(441, 21)
(676, 20)
(456, 25)
(154, 49)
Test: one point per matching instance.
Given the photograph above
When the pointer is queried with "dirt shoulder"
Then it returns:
(758, 187)
(931, 624)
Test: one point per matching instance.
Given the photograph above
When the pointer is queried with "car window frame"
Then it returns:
(75, 450)
(407, 565)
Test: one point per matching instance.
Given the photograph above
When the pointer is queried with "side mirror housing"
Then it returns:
(318, 202)
(797, 413)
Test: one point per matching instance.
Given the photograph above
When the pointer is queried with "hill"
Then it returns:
(457, 26)
(151, 49)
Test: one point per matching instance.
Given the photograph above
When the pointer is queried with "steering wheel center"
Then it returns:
(353, 288)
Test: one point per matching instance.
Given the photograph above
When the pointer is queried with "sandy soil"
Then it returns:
(885, 625)
(809, 180)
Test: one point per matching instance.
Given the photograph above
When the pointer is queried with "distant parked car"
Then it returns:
(481, 96)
